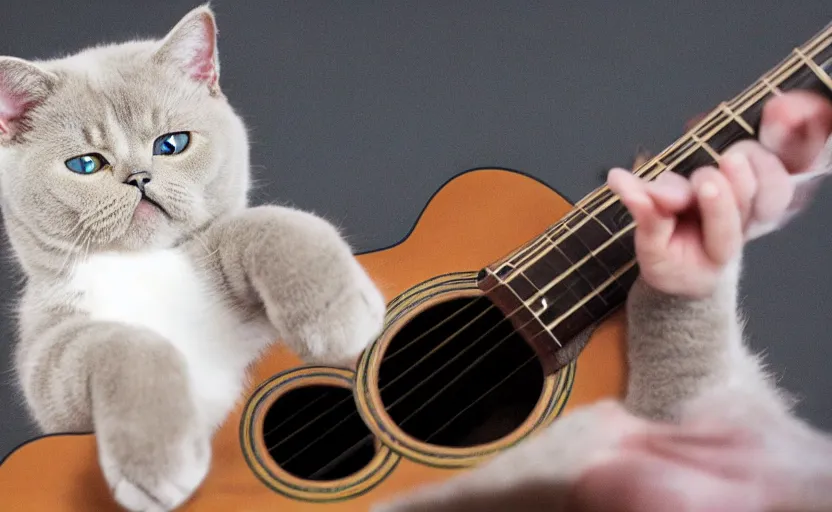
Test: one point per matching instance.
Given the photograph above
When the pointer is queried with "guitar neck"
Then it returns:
(580, 270)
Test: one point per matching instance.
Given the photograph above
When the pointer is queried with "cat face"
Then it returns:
(121, 147)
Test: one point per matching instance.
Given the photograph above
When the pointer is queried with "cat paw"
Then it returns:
(145, 475)
(349, 322)
(316, 294)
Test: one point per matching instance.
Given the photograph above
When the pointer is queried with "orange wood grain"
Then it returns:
(473, 220)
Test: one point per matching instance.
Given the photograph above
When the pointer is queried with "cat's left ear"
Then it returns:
(191, 47)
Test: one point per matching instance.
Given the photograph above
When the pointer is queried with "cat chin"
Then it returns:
(148, 230)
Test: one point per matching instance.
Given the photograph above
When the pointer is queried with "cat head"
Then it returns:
(119, 147)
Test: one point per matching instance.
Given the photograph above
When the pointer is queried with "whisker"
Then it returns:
(69, 252)
(208, 252)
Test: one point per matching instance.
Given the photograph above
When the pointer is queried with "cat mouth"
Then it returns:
(151, 203)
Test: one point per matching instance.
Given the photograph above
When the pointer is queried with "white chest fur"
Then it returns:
(162, 291)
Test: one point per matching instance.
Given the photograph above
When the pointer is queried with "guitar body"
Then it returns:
(472, 221)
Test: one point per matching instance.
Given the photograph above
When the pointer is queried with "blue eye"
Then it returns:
(171, 143)
(86, 164)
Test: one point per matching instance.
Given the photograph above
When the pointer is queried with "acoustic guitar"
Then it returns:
(491, 297)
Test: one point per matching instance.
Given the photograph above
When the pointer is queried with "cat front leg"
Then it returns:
(132, 387)
(301, 272)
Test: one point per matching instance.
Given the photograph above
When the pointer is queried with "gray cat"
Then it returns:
(150, 285)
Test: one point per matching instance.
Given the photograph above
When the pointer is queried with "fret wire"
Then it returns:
(526, 305)
(598, 261)
(771, 87)
(733, 114)
(820, 73)
(739, 120)
(760, 90)
(589, 249)
(707, 121)
(543, 245)
(615, 237)
(754, 100)
(614, 278)
(661, 168)
(814, 46)
(787, 66)
(518, 260)
(593, 253)
(707, 147)
(530, 282)
(599, 222)
(539, 242)
(764, 85)
(546, 301)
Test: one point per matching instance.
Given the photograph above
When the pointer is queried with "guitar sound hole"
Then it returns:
(458, 375)
(315, 433)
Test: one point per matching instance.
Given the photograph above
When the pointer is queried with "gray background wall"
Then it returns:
(359, 110)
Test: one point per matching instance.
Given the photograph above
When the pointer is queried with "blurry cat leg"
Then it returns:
(681, 349)
(536, 475)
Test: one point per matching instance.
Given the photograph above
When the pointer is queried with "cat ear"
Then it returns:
(22, 86)
(191, 47)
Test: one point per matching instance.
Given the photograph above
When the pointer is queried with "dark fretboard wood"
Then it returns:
(581, 269)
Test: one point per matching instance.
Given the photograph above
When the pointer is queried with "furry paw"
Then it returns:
(147, 472)
(154, 448)
(351, 320)
(314, 291)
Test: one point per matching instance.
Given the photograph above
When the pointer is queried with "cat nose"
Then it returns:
(138, 179)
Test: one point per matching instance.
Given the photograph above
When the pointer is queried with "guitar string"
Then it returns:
(292, 416)
(705, 121)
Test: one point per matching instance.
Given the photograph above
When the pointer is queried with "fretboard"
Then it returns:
(581, 269)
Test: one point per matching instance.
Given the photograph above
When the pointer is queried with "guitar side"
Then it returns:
(473, 220)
